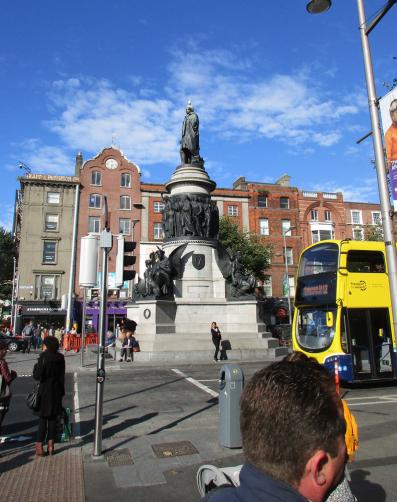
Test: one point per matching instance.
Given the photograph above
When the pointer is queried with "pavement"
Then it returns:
(160, 424)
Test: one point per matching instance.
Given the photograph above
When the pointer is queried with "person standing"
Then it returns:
(27, 334)
(50, 372)
(216, 339)
(7, 377)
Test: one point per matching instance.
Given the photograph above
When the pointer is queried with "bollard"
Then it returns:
(231, 383)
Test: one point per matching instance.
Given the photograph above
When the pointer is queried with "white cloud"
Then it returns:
(234, 100)
(6, 216)
(364, 190)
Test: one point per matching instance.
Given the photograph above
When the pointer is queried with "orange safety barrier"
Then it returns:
(73, 342)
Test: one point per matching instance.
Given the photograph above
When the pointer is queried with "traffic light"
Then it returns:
(124, 260)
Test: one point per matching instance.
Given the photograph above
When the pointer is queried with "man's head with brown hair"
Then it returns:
(292, 426)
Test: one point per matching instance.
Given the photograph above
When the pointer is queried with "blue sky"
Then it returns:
(277, 90)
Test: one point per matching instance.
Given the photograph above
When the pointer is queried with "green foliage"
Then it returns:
(255, 256)
(374, 233)
(7, 252)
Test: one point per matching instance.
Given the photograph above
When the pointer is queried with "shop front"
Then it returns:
(46, 314)
(115, 312)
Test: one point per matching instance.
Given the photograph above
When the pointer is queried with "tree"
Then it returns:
(255, 256)
(374, 233)
(7, 252)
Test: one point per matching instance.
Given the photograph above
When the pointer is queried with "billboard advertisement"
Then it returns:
(388, 112)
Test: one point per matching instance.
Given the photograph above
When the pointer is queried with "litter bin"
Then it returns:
(231, 383)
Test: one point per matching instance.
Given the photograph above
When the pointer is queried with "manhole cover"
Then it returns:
(115, 458)
(164, 450)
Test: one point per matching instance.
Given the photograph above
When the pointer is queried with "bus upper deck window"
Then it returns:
(367, 262)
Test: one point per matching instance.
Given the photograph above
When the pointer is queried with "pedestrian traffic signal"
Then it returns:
(124, 260)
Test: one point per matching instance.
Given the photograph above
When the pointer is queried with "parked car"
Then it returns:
(14, 343)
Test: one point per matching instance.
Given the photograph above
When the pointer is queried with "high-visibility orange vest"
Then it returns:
(351, 435)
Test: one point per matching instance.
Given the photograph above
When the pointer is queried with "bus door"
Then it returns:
(370, 343)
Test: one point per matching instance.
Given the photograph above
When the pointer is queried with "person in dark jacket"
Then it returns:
(292, 428)
(7, 377)
(128, 330)
(216, 339)
(50, 372)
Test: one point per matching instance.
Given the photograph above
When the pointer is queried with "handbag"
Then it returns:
(135, 346)
(33, 399)
(5, 391)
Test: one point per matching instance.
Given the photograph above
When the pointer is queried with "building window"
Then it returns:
(262, 200)
(264, 226)
(124, 226)
(125, 202)
(327, 215)
(126, 180)
(358, 234)
(267, 285)
(286, 227)
(322, 234)
(284, 202)
(356, 217)
(314, 215)
(96, 178)
(158, 231)
(95, 201)
(291, 282)
(94, 224)
(232, 211)
(376, 218)
(158, 207)
(46, 287)
(49, 251)
(51, 222)
(289, 256)
(53, 197)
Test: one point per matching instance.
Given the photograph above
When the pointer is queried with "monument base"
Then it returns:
(185, 326)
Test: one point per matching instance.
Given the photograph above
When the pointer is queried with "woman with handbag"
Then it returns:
(50, 372)
(6, 377)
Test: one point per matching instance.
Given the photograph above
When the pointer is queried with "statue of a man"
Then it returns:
(190, 143)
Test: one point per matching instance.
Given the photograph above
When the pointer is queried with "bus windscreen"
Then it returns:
(320, 259)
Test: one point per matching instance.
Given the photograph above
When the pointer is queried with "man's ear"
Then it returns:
(315, 481)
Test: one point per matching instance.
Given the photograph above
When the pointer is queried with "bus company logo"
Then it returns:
(320, 289)
(361, 285)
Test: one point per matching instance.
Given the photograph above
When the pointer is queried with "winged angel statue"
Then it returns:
(160, 271)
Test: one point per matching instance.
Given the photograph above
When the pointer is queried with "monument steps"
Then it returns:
(205, 356)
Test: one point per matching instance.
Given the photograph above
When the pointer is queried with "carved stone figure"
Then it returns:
(160, 271)
(190, 143)
(239, 281)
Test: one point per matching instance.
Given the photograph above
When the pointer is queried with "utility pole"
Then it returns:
(105, 243)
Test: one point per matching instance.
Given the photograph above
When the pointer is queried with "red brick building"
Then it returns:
(110, 173)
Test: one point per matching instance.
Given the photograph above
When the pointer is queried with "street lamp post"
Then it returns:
(285, 232)
(318, 6)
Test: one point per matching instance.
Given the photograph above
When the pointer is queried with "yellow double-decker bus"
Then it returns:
(342, 309)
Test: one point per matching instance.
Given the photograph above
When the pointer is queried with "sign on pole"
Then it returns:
(388, 112)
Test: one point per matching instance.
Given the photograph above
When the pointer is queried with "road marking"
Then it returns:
(76, 408)
(376, 402)
(387, 396)
(196, 383)
(213, 380)
(3, 439)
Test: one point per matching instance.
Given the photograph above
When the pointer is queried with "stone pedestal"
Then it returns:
(180, 327)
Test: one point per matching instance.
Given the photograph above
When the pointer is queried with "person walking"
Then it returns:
(27, 334)
(216, 339)
(7, 377)
(50, 372)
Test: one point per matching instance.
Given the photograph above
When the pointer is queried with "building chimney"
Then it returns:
(79, 164)
(240, 184)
